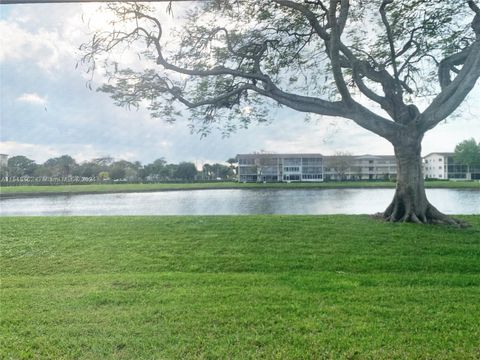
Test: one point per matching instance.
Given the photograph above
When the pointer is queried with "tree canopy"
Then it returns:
(186, 171)
(468, 153)
(20, 166)
(61, 166)
(324, 57)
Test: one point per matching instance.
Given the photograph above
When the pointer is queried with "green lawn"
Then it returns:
(108, 188)
(243, 287)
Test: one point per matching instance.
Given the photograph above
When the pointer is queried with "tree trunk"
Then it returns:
(410, 202)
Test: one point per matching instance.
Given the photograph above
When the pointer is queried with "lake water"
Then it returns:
(235, 202)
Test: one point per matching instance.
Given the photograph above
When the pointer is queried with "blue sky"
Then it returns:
(47, 110)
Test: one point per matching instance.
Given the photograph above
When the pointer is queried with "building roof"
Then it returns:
(280, 155)
(300, 155)
(368, 156)
(440, 153)
(316, 155)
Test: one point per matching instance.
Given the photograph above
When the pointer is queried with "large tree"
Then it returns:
(396, 68)
(156, 170)
(123, 169)
(185, 171)
(21, 166)
(63, 165)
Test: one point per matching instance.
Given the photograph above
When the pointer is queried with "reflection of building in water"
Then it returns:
(442, 165)
(313, 167)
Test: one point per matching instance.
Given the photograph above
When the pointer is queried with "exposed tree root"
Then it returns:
(403, 210)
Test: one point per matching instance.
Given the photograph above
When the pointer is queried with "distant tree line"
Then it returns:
(65, 169)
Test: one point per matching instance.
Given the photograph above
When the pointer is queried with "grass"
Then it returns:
(6, 191)
(245, 287)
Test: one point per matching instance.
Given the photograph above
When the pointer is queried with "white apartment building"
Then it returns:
(280, 167)
(362, 167)
(442, 165)
(313, 167)
(316, 167)
(435, 166)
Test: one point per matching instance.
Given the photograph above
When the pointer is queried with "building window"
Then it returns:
(291, 177)
(246, 161)
(311, 176)
(292, 161)
(311, 161)
(311, 170)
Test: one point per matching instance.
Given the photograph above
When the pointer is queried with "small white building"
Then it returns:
(442, 165)
(435, 165)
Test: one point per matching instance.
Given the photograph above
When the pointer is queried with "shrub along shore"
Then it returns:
(238, 287)
(16, 191)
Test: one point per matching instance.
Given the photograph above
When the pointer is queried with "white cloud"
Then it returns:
(32, 151)
(43, 48)
(32, 98)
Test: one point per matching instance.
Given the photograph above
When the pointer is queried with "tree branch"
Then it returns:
(448, 64)
(309, 15)
(357, 77)
(337, 28)
(409, 43)
(346, 108)
(348, 59)
(391, 44)
(455, 92)
(354, 111)
(476, 19)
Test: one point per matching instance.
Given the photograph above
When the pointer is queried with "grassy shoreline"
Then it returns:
(249, 287)
(21, 191)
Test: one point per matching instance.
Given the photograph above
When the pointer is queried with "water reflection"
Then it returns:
(235, 202)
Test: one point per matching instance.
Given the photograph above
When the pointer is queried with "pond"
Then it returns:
(234, 202)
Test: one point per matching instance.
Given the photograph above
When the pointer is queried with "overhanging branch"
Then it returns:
(455, 92)
(252, 79)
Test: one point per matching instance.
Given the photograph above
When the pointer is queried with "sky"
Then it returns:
(46, 109)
